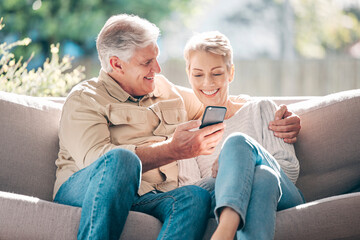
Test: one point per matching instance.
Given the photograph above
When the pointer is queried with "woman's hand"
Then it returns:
(215, 168)
(286, 124)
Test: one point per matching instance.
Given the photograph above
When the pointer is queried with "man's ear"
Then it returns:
(232, 73)
(116, 64)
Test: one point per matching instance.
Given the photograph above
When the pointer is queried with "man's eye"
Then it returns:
(217, 74)
(147, 63)
(197, 75)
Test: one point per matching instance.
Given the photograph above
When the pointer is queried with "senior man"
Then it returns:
(121, 134)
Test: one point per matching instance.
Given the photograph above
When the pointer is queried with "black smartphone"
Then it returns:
(213, 115)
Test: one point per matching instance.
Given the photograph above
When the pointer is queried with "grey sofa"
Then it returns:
(328, 149)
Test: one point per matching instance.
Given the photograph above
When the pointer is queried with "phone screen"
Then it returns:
(213, 115)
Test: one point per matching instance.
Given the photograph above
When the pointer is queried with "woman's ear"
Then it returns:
(116, 64)
(232, 73)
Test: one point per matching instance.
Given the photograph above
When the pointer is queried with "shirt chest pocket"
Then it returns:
(172, 118)
(127, 116)
(126, 126)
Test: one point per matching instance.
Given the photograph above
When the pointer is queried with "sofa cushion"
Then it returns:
(24, 217)
(29, 144)
(329, 218)
(328, 144)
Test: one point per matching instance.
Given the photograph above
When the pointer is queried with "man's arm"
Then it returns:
(286, 124)
(193, 106)
(184, 144)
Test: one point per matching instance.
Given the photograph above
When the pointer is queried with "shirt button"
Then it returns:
(178, 118)
(128, 119)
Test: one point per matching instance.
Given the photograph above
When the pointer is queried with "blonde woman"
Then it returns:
(253, 171)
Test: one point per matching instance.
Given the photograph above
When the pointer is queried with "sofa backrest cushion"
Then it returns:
(328, 146)
(28, 144)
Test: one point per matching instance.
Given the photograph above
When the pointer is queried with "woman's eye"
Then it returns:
(217, 74)
(197, 75)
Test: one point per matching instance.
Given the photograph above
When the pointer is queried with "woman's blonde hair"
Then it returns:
(213, 42)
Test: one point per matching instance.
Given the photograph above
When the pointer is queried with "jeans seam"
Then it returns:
(170, 217)
(153, 200)
(96, 198)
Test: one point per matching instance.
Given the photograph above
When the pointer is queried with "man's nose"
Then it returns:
(156, 67)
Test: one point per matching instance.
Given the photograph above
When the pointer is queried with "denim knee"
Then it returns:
(269, 180)
(123, 159)
(238, 139)
(237, 144)
(123, 163)
(197, 197)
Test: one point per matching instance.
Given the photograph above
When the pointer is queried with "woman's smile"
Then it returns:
(210, 93)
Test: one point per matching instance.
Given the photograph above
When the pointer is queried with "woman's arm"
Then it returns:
(283, 152)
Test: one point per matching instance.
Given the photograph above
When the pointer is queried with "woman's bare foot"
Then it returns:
(228, 224)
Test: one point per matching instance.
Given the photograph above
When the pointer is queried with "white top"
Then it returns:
(252, 119)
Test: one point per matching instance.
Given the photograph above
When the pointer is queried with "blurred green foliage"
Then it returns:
(55, 78)
(79, 21)
(323, 28)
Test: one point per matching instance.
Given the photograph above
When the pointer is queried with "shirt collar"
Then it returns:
(116, 91)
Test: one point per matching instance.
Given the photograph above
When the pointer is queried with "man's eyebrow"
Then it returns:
(197, 69)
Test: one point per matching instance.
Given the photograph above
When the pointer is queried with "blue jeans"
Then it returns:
(107, 190)
(250, 181)
(183, 211)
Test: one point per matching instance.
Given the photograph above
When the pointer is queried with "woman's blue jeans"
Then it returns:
(107, 190)
(250, 181)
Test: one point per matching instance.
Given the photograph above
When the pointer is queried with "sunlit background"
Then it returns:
(281, 47)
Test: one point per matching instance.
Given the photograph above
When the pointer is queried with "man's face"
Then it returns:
(139, 72)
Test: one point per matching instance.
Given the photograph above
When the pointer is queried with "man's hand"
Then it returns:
(286, 124)
(186, 144)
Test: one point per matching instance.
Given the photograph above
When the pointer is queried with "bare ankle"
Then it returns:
(228, 224)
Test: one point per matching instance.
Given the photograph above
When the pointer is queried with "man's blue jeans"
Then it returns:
(250, 181)
(107, 190)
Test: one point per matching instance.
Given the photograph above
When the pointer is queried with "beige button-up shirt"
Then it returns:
(98, 116)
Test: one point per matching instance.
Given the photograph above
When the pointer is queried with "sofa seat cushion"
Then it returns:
(328, 144)
(329, 218)
(24, 217)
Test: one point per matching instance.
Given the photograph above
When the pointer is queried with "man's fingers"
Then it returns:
(212, 129)
(290, 140)
(280, 112)
(287, 121)
(189, 125)
(287, 114)
(286, 128)
(286, 135)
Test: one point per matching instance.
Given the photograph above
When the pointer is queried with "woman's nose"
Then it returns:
(208, 81)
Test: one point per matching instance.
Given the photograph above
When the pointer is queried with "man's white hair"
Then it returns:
(121, 35)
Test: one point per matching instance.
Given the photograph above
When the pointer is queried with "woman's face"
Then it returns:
(209, 77)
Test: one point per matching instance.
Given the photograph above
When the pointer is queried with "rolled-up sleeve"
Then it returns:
(194, 107)
(84, 131)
